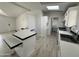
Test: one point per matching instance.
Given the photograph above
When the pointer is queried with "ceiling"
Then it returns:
(15, 9)
(63, 5)
(11, 9)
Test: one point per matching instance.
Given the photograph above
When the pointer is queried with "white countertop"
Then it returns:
(11, 41)
(24, 33)
(65, 32)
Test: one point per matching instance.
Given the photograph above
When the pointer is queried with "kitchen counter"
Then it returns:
(23, 42)
(24, 34)
(12, 41)
(65, 32)
(67, 49)
(28, 39)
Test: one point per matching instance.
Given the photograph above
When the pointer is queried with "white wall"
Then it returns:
(25, 20)
(21, 21)
(4, 21)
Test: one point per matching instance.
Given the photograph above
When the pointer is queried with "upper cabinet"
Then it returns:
(71, 16)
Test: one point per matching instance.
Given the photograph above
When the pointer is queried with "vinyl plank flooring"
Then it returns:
(46, 46)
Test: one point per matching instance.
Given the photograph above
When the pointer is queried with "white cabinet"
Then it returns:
(69, 49)
(66, 18)
(27, 48)
(28, 39)
(71, 16)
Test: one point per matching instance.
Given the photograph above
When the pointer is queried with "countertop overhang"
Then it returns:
(12, 41)
(24, 34)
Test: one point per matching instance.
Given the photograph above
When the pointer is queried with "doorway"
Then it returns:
(54, 24)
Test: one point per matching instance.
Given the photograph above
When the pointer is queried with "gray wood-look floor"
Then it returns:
(46, 46)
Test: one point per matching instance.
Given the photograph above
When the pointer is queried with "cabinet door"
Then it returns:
(72, 17)
(66, 18)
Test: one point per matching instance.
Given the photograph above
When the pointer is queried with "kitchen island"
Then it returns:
(22, 42)
(29, 39)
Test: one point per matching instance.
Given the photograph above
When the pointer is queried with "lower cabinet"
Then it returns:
(69, 49)
(26, 49)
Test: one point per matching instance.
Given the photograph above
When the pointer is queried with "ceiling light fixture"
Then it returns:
(56, 7)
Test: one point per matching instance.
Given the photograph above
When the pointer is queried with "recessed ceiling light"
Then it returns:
(56, 7)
